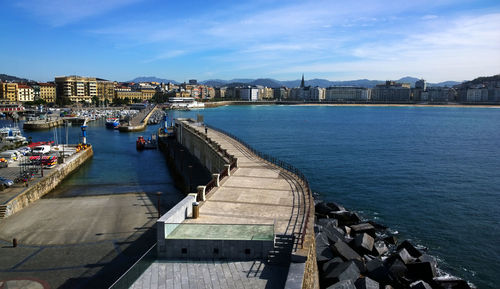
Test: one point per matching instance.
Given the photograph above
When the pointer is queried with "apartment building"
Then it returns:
(76, 88)
(47, 92)
(105, 90)
(340, 93)
(8, 91)
(249, 93)
(392, 91)
(25, 93)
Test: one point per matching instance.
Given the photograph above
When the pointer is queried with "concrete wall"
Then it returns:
(218, 249)
(206, 153)
(176, 215)
(51, 179)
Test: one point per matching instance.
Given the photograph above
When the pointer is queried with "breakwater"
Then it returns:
(356, 253)
(230, 160)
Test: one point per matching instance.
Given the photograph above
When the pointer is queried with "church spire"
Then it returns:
(302, 82)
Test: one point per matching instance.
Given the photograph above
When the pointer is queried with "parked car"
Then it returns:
(6, 182)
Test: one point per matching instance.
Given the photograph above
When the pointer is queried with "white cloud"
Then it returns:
(62, 12)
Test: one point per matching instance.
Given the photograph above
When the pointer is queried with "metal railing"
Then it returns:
(290, 168)
(134, 272)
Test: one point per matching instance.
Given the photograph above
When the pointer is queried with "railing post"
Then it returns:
(228, 169)
(216, 177)
(201, 193)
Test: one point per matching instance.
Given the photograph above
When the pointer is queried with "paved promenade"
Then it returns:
(256, 193)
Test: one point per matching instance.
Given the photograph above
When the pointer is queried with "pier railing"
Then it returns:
(308, 199)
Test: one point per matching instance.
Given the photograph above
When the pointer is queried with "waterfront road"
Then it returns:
(78, 242)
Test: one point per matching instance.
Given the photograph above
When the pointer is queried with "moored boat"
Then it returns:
(112, 122)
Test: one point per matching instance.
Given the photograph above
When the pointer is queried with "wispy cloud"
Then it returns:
(62, 12)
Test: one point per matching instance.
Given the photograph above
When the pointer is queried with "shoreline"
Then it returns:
(458, 105)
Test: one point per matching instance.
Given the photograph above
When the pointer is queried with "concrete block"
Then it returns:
(344, 284)
(364, 242)
(366, 283)
(420, 285)
(414, 252)
(343, 271)
(405, 256)
(451, 282)
(379, 248)
(330, 264)
(421, 271)
(344, 251)
(346, 218)
(363, 228)
(376, 270)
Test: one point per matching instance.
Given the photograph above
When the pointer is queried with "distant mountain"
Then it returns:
(5, 77)
(269, 82)
(444, 83)
(152, 79)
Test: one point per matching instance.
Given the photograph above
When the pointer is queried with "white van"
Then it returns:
(40, 150)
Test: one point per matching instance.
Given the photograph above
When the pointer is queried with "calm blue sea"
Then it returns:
(430, 173)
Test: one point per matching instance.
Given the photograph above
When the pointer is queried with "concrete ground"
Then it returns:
(212, 274)
(82, 242)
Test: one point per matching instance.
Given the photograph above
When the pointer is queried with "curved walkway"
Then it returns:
(256, 193)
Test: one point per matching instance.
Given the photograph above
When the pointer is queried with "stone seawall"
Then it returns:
(51, 179)
(201, 149)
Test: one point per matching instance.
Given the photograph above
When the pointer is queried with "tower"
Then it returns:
(302, 82)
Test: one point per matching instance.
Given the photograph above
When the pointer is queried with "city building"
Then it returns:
(438, 94)
(25, 93)
(47, 92)
(220, 92)
(307, 93)
(249, 93)
(477, 93)
(392, 91)
(128, 94)
(281, 93)
(105, 90)
(76, 88)
(8, 91)
(347, 93)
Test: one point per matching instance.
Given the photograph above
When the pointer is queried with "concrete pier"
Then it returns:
(139, 122)
(248, 194)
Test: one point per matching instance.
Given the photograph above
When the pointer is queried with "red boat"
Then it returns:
(140, 143)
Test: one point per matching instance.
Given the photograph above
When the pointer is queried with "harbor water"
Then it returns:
(116, 167)
(429, 173)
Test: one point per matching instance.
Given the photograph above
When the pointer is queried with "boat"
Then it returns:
(142, 143)
(12, 134)
(112, 122)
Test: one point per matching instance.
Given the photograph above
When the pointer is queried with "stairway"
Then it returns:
(3, 211)
(283, 246)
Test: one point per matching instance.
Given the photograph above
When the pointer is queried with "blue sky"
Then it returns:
(119, 40)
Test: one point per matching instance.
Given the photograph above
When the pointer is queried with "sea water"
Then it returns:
(430, 173)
